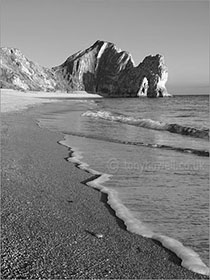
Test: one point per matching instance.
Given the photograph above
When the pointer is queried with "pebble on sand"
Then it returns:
(99, 235)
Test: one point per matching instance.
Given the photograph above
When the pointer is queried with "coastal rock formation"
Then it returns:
(109, 71)
(17, 72)
(102, 69)
(155, 74)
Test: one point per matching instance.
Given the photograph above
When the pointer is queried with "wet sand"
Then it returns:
(54, 226)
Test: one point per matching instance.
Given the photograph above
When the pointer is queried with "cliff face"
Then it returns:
(18, 72)
(155, 75)
(102, 68)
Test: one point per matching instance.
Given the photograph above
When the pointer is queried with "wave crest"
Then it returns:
(150, 124)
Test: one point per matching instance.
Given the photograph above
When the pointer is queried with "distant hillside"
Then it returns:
(17, 72)
(102, 68)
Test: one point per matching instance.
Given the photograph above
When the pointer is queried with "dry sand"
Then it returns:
(52, 221)
(12, 100)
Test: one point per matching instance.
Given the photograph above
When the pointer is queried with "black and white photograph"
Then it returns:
(104, 139)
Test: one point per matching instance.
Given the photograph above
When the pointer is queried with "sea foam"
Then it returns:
(190, 259)
(150, 124)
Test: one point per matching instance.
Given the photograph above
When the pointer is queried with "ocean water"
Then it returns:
(154, 154)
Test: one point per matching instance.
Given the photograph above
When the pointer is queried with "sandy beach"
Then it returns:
(54, 226)
(12, 100)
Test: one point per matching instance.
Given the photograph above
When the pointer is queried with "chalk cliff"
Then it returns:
(102, 68)
(17, 72)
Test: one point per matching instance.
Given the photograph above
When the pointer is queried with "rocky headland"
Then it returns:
(102, 68)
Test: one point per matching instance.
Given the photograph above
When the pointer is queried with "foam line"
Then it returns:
(198, 152)
(150, 124)
(190, 259)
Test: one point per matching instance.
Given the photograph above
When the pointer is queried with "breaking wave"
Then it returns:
(150, 124)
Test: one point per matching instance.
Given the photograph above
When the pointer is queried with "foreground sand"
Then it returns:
(51, 218)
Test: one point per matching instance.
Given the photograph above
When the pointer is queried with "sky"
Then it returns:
(48, 31)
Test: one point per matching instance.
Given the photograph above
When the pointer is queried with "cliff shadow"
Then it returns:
(89, 82)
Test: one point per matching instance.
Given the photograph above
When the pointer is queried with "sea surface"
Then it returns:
(156, 155)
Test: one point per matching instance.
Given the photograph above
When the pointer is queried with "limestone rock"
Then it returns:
(17, 72)
(109, 71)
(155, 71)
(102, 69)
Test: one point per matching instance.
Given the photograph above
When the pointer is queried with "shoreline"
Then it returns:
(189, 258)
(35, 174)
(13, 100)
